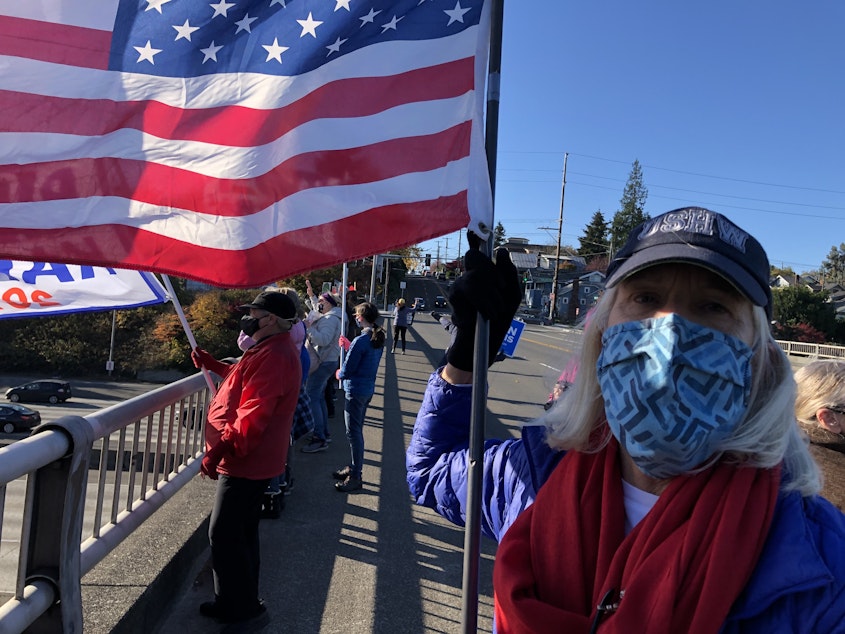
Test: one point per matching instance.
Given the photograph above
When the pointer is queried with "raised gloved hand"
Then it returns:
(344, 343)
(201, 358)
(489, 288)
(213, 456)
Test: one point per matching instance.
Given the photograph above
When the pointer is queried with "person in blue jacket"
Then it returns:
(669, 489)
(358, 375)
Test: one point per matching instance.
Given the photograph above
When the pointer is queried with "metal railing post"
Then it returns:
(53, 529)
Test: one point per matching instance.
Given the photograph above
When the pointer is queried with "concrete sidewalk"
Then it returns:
(370, 561)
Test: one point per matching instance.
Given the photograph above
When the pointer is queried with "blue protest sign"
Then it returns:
(512, 337)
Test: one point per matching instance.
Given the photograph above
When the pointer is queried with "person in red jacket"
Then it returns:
(247, 436)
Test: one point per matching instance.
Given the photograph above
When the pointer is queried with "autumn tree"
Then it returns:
(632, 208)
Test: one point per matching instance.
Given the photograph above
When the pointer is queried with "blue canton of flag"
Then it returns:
(174, 38)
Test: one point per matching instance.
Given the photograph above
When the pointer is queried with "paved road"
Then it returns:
(88, 396)
(373, 561)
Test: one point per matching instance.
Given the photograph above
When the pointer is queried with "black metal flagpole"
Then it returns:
(472, 532)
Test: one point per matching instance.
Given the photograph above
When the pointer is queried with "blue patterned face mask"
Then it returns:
(673, 390)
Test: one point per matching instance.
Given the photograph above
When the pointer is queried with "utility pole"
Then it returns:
(460, 256)
(553, 303)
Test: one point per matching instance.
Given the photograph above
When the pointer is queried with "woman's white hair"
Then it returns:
(820, 384)
(766, 437)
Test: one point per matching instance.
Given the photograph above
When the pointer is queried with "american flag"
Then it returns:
(238, 142)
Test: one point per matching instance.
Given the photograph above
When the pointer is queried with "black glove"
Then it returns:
(488, 288)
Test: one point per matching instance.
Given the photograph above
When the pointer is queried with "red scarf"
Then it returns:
(681, 568)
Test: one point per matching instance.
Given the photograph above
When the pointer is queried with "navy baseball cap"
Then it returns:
(274, 302)
(699, 236)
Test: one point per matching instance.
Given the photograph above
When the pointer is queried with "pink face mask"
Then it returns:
(245, 342)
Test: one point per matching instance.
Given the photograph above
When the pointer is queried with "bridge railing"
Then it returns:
(76, 488)
(812, 350)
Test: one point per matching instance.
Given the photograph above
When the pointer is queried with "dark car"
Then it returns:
(440, 302)
(419, 303)
(47, 390)
(14, 417)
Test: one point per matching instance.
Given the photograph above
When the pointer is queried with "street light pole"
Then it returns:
(553, 303)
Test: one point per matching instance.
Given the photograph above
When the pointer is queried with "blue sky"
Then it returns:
(736, 106)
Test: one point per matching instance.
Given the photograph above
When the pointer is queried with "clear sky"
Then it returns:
(738, 106)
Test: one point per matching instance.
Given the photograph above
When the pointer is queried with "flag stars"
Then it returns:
(369, 17)
(309, 26)
(147, 53)
(210, 53)
(391, 26)
(155, 4)
(456, 14)
(335, 48)
(244, 24)
(281, 2)
(221, 8)
(185, 31)
(274, 51)
(342, 4)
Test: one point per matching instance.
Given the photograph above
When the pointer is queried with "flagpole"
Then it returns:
(475, 464)
(343, 319)
(187, 329)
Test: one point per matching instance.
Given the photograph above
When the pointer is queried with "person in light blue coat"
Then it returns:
(358, 377)
(669, 489)
(403, 316)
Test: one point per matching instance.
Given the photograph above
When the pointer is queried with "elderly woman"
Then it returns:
(671, 490)
(820, 410)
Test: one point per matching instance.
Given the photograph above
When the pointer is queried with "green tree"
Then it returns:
(795, 305)
(632, 208)
(595, 242)
(499, 237)
(785, 272)
(833, 267)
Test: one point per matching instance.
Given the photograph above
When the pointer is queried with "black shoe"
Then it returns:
(342, 474)
(348, 485)
(214, 610)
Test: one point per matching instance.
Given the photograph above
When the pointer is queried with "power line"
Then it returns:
(677, 171)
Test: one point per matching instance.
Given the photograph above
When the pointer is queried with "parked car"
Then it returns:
(48, 390)
(14, 417)
(440, 302)
(419, 303)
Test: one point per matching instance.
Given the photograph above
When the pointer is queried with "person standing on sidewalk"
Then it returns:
(358, 375)
(323, 334)
(402, 318)
(247, 434)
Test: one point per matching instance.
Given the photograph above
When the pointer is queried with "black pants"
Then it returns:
(329, 395)
(233, 534)
(399, 331)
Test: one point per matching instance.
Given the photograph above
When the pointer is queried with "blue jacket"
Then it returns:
(799, 582)
(360, 366)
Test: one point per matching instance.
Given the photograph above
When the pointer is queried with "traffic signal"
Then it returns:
(428, 259)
